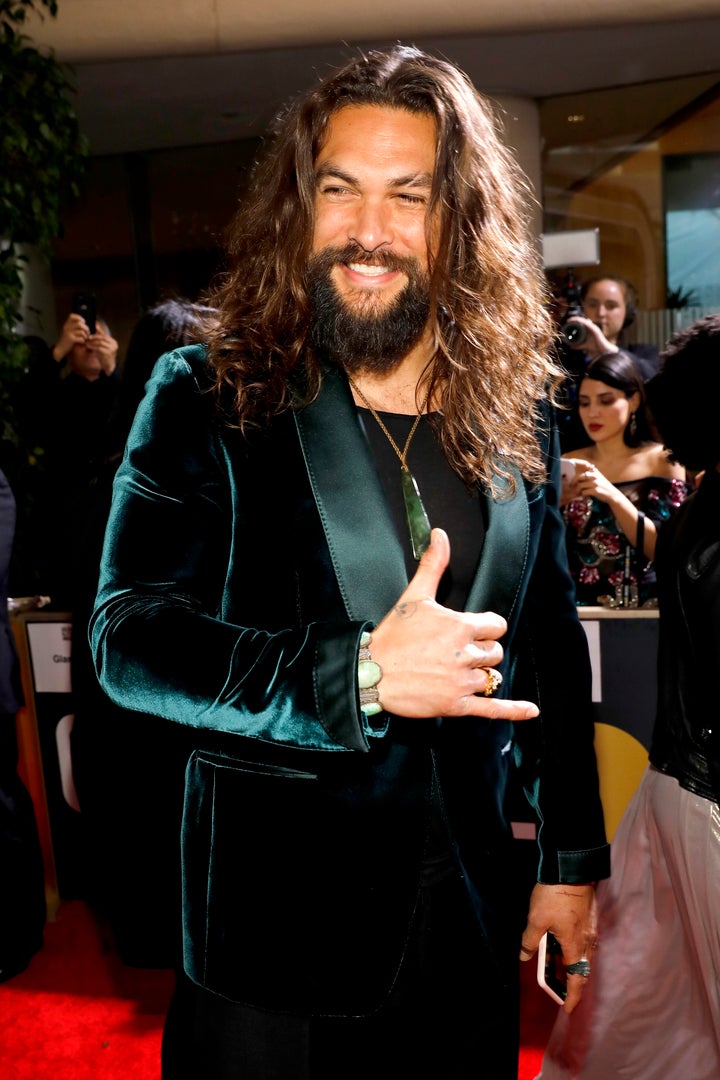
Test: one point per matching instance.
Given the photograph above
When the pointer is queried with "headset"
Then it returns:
(631, 301)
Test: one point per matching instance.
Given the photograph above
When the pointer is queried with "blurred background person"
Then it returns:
(620, 488)
(167, 325)
(609, 307)
(599, 312)
(611, 303)
(563, 302)
(62, 405)
(22, 878)
(652, 1008)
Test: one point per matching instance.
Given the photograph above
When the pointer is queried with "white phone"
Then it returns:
(567, 470)
(550, 968)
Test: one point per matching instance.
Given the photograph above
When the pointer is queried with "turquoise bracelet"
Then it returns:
(369, 675)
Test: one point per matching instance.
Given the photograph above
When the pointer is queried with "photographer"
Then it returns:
(595, 315)
(573, 330)
(607, 307)
(88, 351)
(63, 403)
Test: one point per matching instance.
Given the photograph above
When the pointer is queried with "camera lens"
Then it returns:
(574, 332)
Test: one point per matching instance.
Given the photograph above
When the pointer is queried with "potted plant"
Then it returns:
(44, 159)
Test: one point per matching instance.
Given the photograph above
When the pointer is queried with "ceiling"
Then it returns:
(154, 74)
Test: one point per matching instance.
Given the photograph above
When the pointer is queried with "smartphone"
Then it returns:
(567, 470)
(551, 969)
(84, 304)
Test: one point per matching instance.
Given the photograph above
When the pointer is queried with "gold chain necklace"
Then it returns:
(415, 513)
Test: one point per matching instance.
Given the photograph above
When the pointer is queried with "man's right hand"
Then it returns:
(595, 344)
(432, 658)
(74, 332)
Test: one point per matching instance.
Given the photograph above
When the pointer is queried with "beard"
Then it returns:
(373, 334)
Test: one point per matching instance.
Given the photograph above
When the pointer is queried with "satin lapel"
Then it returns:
(504, 555)
(364, 547)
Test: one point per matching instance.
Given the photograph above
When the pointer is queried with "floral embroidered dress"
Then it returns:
(603, 562)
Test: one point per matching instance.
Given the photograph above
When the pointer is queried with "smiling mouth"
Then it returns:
(368, 270)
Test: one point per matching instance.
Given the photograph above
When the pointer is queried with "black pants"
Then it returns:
(451, 1015)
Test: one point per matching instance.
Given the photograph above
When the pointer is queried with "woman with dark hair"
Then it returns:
(618, 490)
(168, 324)
(652, 1010)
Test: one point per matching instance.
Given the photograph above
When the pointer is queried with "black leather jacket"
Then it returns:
(686, 739)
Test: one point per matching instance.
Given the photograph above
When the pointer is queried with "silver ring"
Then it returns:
(580, 967)
(494, 678)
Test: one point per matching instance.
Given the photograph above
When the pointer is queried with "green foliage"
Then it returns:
(44, 154)
(681, 298)
(15, 11)
(44, 160)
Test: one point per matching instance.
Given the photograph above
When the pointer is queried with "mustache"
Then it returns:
(323, 261)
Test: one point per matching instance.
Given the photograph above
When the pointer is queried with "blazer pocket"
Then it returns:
(285, 906)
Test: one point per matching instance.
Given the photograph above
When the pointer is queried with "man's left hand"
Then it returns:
(569, 913)
(106, 348)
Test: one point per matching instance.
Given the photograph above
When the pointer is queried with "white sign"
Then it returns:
(592, 629)
(50, 645)
(576, 247)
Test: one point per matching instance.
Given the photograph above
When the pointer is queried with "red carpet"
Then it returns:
(537, 1015)
(78, 1013)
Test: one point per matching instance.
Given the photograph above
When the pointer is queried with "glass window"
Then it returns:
(624, 160)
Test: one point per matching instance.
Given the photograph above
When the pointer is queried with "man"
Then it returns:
(63, 405)
(89, 352)
(378, 364)
(64, 399)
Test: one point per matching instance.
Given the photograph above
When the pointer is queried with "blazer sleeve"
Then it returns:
(555, 752)
(160, 640)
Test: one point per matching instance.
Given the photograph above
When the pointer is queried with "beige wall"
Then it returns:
(626, 203)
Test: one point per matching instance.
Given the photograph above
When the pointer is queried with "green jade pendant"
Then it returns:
(417, 518)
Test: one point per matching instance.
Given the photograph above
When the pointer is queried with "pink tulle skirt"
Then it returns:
(651, 1009)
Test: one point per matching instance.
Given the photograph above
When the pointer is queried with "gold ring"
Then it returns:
(494, 678)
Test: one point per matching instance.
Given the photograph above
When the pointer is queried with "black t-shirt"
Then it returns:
(448, 502)
(451, 506)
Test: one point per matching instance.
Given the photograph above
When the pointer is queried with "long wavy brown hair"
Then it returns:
(488, 309)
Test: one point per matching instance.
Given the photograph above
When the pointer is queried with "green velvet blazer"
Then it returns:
(237, 577)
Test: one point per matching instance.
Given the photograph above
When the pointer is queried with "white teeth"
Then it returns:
(369, 271)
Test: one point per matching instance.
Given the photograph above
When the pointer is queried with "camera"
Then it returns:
(570, 248)
(573, 332)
